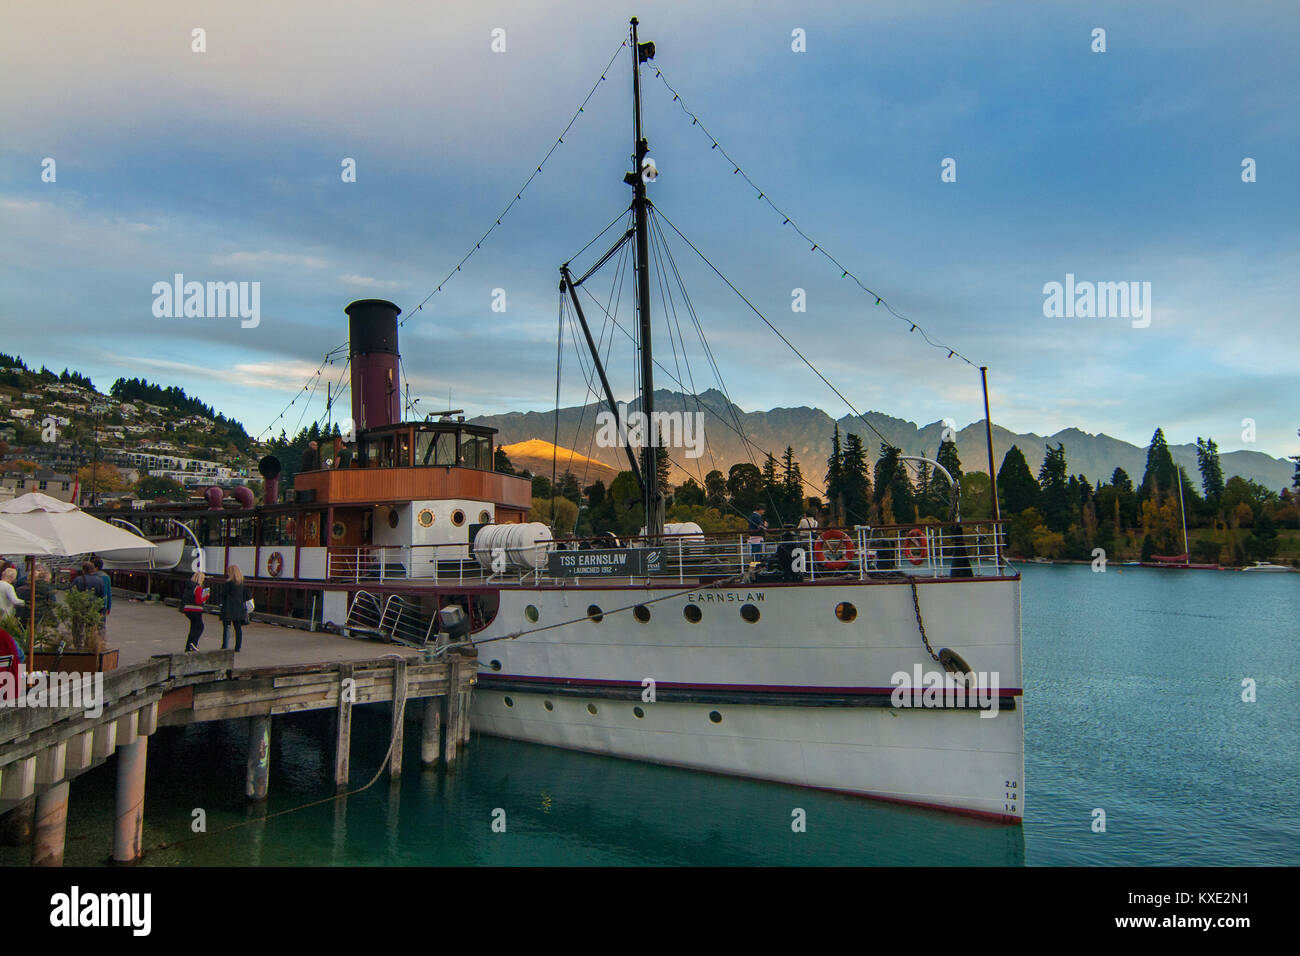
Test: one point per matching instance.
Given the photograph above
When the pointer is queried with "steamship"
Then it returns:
(794, 659)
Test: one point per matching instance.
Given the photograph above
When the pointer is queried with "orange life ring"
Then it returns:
(839, 545)
(914, 547)
(275, 564)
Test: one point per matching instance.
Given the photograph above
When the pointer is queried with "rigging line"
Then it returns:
(750, 445)
(615, 295)
(816, 246)
(520, 191)
(704, 342)
(778, 332)
(292, 401)
(596, 238)
(307, 404)
(555, 445)
(670, 314)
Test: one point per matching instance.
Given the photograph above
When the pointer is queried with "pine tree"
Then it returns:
(855, 481)
(1207, 461)
(791, 485)
(835, 480)
(1159, 477)
(1017, 489)
(1055, 497)
(893, 489)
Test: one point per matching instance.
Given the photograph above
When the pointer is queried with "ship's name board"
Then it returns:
(612, 562)
(710, 597)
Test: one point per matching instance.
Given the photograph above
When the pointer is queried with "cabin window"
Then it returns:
(435, 448)
(278, 529)
(425, 517)
(404, 449)
(476, 451)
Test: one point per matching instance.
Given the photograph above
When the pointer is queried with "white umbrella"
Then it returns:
(15, 540)
(65, 527)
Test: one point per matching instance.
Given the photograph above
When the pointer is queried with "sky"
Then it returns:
(226, 165)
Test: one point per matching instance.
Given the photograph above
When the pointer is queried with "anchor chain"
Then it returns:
(920, 625)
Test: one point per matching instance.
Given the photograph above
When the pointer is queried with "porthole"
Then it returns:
(548, 705)
(595, 614)
(393, 518)
(458, 517)
(641, 613)
(749, 612)
(338, 529)
(495, 665)
(509, 702)
(715, 717)
(425, 518)
(640, 714)
(692, 613)
(591, 709)
(532, 613)
(484, 518)
(846, 612)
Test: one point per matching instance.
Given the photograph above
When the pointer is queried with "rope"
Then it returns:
(392, 742)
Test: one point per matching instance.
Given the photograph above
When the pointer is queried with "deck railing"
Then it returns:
(955, 549)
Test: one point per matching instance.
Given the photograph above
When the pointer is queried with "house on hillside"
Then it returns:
(15, 482)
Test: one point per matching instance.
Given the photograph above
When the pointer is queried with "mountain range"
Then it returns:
(808, 432)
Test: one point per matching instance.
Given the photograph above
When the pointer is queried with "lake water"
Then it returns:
(1133, 705)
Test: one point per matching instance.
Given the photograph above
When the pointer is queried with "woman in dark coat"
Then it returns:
(234, 598)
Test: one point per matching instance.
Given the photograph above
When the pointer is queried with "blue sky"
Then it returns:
(1115, 166)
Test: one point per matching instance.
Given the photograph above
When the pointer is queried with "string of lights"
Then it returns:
(519, 193)
(846, 273)
(313, 380)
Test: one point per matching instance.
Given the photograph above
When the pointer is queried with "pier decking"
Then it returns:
(280, 670)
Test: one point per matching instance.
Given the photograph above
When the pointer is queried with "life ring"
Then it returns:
(914, 547)
(834, 549)
(275, 564)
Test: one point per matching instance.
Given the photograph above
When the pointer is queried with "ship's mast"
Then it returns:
(654, 502)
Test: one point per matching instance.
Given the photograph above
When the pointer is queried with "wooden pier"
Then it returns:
(280, 671)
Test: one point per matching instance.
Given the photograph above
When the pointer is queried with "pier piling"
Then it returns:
(51, 826)
(259, 757)
(399, 717)
(451, 738)
(343, 728)
(432, 727)
(16, 826)
(129, 825)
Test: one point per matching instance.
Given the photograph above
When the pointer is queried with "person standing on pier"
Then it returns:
(234, 607)
(196, 596)
(9, 599)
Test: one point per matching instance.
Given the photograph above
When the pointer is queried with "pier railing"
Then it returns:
(951, 549)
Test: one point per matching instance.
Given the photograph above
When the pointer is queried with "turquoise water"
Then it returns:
(1133, 706)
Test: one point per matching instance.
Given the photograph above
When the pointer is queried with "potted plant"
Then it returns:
(75, 642)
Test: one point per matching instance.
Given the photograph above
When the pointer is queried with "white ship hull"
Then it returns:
(797, 696)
